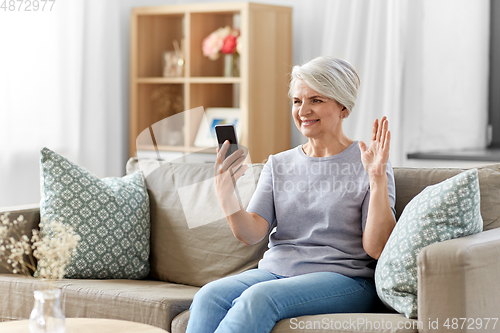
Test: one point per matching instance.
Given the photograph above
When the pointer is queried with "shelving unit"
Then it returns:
(260, 92)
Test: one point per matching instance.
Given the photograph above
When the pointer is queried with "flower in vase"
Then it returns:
(223, 40)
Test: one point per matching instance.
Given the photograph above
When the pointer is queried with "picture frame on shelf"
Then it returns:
(205, 136)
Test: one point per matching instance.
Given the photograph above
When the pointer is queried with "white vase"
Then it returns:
(232, 65)
(47, 315)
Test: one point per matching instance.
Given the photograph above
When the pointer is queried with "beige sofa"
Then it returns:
(456, 279)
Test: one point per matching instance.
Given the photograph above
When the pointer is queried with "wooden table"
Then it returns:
(85, 325)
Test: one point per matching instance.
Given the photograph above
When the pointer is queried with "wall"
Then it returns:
(445, 104)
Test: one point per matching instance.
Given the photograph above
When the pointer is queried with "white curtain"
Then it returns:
(423, 64)
(446, 75)
(371, 35)
(60, 87)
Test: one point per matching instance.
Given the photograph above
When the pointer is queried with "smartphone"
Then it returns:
(227, 132)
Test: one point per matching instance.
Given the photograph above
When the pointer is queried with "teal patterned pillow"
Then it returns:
(110, 215)
(440, 212)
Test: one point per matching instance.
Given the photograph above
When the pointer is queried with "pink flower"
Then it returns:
(229, 44)
(212, 45)
(223, 40)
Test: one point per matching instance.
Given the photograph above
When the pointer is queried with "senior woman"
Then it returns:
(332, 202)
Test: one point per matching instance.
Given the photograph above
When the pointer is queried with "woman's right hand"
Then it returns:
(227, 172)
(249, 228)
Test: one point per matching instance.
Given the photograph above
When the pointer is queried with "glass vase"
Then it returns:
(231, 65)
(47, 315)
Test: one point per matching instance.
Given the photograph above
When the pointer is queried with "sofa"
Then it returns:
(191, 244)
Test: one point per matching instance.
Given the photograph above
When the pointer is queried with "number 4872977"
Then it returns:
(27, 5)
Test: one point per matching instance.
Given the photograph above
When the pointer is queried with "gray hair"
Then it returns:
(331, 77)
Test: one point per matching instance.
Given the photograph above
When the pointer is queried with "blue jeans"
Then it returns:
(255, 300)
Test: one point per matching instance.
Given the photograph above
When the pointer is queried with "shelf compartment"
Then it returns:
(203, 24)
(161, 107)
(213, 95)
(155, 35)
(207, 96)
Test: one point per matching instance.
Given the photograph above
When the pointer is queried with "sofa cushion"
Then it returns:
(450, 209)
(411, 181)
(191, 242)
(110, 215)
(331, 323)
(150, 302)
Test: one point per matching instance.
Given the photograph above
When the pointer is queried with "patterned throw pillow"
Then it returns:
(447, 210)
(110, 215)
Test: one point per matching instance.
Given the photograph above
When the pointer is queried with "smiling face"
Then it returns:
(316, 116)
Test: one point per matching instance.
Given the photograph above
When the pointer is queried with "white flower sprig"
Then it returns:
(15, 246)
(53, 247)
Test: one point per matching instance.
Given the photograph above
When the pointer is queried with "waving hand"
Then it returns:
(376, 156)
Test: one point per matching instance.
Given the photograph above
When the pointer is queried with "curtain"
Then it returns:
(423, 64)
(60, 87)
(371, 36)
(446, 75)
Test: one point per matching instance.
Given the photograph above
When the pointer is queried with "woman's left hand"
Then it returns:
(376, 156)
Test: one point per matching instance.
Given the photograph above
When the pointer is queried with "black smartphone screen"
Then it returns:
(227, 132)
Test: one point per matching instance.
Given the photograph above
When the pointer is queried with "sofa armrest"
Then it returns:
(20, 208)
(31, 214)
(459, 279)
